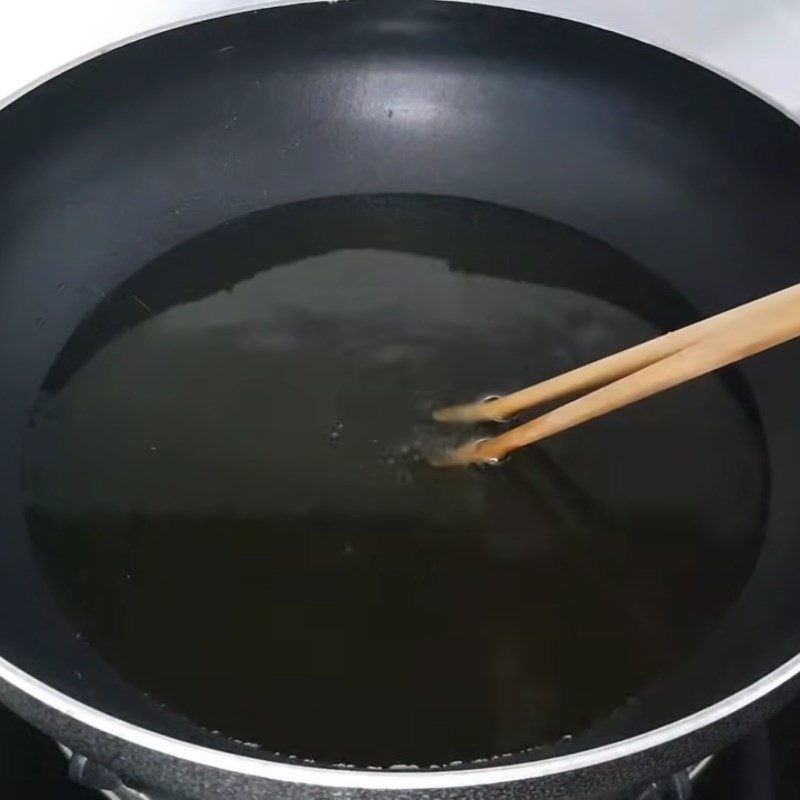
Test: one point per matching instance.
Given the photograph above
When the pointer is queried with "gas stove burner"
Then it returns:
(86, 773)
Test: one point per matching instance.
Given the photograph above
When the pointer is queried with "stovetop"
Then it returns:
(765, 765)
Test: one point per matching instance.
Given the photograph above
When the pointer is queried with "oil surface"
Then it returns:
(227, 493)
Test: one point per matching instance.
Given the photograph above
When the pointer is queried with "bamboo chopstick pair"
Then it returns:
(630, 375)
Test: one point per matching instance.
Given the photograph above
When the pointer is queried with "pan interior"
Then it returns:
(226, 486)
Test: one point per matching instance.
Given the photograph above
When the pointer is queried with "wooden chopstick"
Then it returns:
(610, 368)
(756, 327)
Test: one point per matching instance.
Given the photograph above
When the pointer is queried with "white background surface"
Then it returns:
(755, 41)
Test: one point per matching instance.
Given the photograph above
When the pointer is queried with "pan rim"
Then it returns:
(394, 779)
(421, 779)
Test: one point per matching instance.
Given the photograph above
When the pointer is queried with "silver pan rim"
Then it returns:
(388, 779)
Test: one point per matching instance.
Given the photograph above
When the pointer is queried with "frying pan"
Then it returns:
(684, 171)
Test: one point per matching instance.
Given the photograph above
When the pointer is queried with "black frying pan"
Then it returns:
(687, 173)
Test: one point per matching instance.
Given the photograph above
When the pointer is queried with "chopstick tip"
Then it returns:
(460, 414)
(466, 454)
